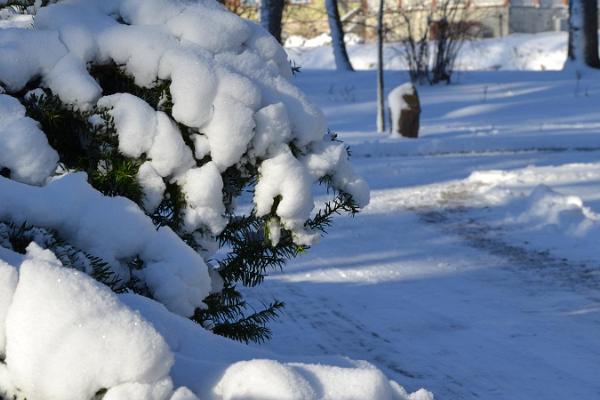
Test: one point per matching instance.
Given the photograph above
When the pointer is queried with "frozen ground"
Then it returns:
(474, 272)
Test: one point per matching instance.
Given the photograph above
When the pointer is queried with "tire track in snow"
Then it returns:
(547, 267)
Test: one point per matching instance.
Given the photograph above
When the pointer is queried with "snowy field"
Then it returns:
(474, 272)
(545, 51)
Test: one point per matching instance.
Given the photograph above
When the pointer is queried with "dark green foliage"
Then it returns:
(113, 80)
(225, 316)
(342, 202)
(170, 211)
(251, 253)
(67, 130)
(85, 146)
(296, 69)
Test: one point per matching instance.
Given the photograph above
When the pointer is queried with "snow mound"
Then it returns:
(546, 207)
(536, 213)
(131, 348)
(320, 40)
(53, 305)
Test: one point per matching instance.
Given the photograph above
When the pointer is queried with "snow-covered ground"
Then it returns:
(474, 271)
(545, 51)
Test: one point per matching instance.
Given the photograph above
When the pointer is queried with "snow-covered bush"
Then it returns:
(154, 154)
(130, 130)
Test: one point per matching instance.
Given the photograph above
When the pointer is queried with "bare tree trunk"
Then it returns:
(583, 33)
(342, 62)
(271, 13)
(380, 99)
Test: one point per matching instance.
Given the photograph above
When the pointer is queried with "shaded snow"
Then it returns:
(463, 275)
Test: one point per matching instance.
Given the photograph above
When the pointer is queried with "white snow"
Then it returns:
(539, 52)
(63, 335)
(472, 272)
(115, 229)
(24, 149)
(284, 177)
(203, 190)
(8, 283)
(229, 84)
(163, 352)
(463, 273)
(152, 185)
(272, 130)
(61, 320)
(135, 122)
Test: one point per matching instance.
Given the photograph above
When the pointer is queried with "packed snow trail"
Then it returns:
(430, 282)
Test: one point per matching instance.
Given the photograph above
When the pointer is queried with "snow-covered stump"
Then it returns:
(405, 110)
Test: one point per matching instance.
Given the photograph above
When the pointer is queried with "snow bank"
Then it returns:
(132, 348)
(61, 320)
(544, 206)
(538, 213)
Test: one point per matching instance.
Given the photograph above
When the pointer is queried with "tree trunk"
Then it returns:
(583, 33)
(271, 13)
(342, 62)
(380, 99)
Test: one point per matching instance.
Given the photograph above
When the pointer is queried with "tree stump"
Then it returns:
(405, 110)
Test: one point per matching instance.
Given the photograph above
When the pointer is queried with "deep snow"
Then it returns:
(474, 270)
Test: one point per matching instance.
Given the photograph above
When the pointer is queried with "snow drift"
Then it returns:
(64, 336)
(529, 206)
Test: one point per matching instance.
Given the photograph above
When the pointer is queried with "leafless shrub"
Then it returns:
(432, 33)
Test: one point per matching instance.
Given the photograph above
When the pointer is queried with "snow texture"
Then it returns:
(52, 305)
(65, 336)
(24, 149)
(115, 229)
(132, 348)
(228, 83)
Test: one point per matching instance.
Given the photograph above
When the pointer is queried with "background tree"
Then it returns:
(340, 54)
(583, 33)
(271, 14)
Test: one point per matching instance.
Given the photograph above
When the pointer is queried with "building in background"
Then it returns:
(494, 18)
